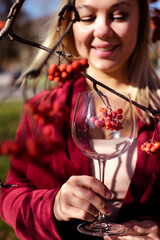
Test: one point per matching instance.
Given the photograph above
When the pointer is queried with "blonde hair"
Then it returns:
(144, 83)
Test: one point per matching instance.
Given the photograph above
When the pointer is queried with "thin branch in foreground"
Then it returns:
(11, 18)
(13, 36)
(147, 110)
(36, 72)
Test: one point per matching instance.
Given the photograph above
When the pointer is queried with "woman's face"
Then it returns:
(107, 32)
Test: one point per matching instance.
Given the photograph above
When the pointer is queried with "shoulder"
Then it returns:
(60, 92)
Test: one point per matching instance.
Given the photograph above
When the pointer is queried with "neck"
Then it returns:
(117, 80)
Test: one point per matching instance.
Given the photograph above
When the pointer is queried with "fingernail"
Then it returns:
(108, 194)
(108, 211)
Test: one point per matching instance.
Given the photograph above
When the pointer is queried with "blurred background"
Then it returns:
(14, 57)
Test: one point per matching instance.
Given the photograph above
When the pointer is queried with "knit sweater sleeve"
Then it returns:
(28, 206)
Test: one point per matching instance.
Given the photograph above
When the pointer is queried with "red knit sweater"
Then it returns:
(28, 208)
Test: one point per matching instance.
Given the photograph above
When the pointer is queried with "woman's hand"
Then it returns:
(81, 197)
(135, 230)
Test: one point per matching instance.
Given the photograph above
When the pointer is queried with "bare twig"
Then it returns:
(70, 6)
(36, 72)
(13, 36)
(147, 110)
(8, 28)
(11, 18)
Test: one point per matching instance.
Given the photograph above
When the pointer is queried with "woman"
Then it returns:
(53, 195)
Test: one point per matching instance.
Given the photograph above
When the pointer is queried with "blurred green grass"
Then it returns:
(9, 117)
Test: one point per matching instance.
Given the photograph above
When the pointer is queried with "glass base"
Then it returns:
(101, 229)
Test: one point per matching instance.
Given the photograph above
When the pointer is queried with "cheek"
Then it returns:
(128, 38)
(80, 38)
(129, 33)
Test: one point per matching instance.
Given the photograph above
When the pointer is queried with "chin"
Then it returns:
(104, 67)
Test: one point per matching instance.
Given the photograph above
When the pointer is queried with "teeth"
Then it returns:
(104, 49)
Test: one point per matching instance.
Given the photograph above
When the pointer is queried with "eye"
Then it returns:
(121, 16)
(87, 19)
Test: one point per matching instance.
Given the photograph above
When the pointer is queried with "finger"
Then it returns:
(141, 228)
(110, 238)
(147, 229)
(76, 213)
(66, 210)
(94, 184)
(73, 207)
(134, 238)
(91, 198)
(85, 206)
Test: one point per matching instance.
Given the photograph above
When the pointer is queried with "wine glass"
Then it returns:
(103, 128)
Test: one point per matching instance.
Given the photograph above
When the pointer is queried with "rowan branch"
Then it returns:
(70, 6)
(11, 18)
(36, 72)
(153, 112)
(17, 38)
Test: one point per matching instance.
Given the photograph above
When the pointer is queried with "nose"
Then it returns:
(102, 28)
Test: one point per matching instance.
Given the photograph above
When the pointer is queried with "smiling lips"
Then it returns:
(104, 50)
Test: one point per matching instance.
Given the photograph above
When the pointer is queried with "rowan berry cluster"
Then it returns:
(9, 147)
(109, 119)
(45, 112)
(34, 143)
(63, 72)
(151, 147)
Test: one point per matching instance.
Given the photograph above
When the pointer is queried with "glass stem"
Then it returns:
(102, 164)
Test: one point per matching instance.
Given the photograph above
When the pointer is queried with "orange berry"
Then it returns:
(119, 110)
(52, 68)
(114, 114)
(51, 71)
(142, 147)
(50, 77)
(120, 116)
(144, 144)
(48, 105)
(64, 75)
(62, 67)
(157, 145)
(28, 108)
(57, 79)
(57, 74)
(41, 107)
(51, 113)
(14, 148)
(149, 145)
(97, 123)
(48, 129)
(41, 120)
(153, 149)
(31, 147)
(108, 124)
(69, 68)
(35, 116)
(108, 118)
(101, 119)
(76, 65)
(104, 112)
(4, 148)
(84, 62)
(101, 109)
